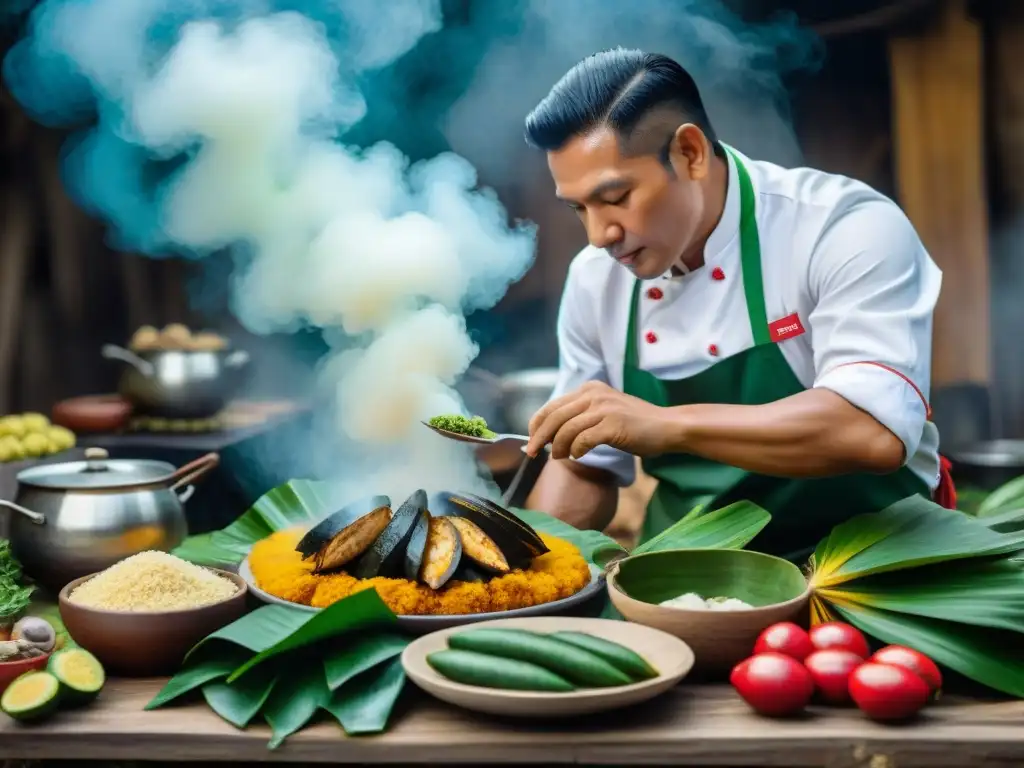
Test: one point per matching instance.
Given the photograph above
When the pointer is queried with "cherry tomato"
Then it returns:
(888, 692)
(915, 661)
(785, 638)
(831, 670)
(773, 684)
(843, 637)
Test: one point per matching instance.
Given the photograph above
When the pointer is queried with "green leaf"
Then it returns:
(259, 630)
(983, 593)
(213, 663)
(1006, 497)
(364, 704)
(360, 654)
(295, 699)
(910, 533)
(987, 656)
(587, 542)
(295, 503)
(731, 527)
(356, 612)
(240, 701)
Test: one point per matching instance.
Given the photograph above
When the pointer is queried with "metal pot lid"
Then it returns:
(990, 453)
(97, 472)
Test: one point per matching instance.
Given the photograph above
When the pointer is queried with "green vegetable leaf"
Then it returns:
(589, 543)
(238, 702)
(364, 704)
(215, 662)
(259, 630)
(295, 699)
(359, 611)
(731, 527)
(360, 654)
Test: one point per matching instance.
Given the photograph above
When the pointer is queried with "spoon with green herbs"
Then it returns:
(469, 430)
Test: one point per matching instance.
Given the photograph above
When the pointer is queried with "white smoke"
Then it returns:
(388, 257)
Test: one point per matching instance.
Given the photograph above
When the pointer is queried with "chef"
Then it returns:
(751, 332)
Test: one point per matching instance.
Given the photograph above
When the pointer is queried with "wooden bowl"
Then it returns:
(147, 643)
(12, 670)
(92, 413)
(720, 639)
(671, 657)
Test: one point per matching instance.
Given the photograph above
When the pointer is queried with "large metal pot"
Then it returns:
(987, 464)
(179, 384)
(75, 518)
(522, 394)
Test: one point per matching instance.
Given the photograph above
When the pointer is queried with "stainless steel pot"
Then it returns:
(75, 518)
(179, 384)
(987, 464)
(522, 394)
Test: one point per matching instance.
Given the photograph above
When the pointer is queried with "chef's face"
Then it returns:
(645, 212)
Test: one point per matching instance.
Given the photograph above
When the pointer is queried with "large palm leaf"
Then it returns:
(945, 583)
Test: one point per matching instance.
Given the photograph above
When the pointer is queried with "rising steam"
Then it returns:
(236, 109)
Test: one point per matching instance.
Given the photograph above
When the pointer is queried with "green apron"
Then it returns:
(803, 511)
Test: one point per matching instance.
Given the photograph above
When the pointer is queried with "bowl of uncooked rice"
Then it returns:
(141, 615)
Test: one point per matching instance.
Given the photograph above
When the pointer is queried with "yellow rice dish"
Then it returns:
(280, 570)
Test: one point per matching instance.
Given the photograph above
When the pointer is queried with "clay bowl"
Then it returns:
(11, 670)
(92, 413)
(719, 639)
(147, 643)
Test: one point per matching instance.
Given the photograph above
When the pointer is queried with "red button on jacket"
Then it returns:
(713, 350)
(651, 337)
(655, 294)
(717, 274)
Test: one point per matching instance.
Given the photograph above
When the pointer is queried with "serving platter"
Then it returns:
(421, 625)
(672, 657)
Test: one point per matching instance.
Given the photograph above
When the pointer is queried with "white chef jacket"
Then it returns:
(842, 257)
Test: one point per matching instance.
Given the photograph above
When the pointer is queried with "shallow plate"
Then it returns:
(669, 655)
(421, 625)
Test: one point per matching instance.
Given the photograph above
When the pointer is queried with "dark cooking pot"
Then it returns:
(987, 464)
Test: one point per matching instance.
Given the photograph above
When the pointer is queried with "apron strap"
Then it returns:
(750, 255)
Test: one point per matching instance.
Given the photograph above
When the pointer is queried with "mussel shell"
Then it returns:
(334, 524)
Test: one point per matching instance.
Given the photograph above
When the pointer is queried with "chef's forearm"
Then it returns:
(812, 434)
(584, 497)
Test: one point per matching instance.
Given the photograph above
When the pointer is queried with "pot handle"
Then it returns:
(114, 352)
(35, 517)
(193, 471)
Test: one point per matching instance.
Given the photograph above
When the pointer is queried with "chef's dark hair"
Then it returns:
(620, 88)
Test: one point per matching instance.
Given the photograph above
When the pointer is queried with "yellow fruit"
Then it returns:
(35, 444)
(6, 454)
(14, 426)
(35, 422)
(63, 438)
(15, 448)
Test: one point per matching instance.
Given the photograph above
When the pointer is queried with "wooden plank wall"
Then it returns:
(939, 147)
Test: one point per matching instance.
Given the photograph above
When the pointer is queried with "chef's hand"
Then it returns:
(595, 414)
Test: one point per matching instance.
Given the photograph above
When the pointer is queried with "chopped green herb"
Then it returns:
(14, 598)
(473, 426)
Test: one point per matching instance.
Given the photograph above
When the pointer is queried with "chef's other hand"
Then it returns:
(595, 414)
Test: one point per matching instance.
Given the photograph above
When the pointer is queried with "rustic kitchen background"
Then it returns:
(923, 99)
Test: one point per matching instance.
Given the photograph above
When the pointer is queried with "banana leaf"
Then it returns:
(287, 664)
(934, 579)
(297, 503)
(1006, 497)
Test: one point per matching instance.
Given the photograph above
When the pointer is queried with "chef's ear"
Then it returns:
(690, 152)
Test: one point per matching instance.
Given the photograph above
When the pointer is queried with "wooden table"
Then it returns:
(693, 725)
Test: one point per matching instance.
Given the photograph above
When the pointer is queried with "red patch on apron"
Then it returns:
(788, 327)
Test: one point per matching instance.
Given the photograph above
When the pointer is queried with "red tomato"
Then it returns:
(785, 638)
(773, 684)
(831, 671)
(915, 661)
(843, 637)
(887, 692)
